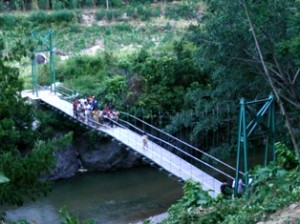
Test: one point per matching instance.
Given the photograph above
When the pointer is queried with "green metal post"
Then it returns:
(52, 63)
(33, 73)
(34, 76)
(245, 131)
(245, 145)
(237, 171)
(43, 44)
(271, 131)
(273, 127)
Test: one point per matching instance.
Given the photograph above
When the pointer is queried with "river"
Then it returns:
(118, 197)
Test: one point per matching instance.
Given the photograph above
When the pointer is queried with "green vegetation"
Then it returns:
(69, 218)
(273, 187)
(24, 155)
(195, 58)
(171, 67)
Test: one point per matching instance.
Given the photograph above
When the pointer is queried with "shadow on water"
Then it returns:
(118, 197)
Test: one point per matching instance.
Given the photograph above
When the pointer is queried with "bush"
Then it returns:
(123, 27)
(39, 17)
(43, 4)
(131, 12)
(116, 3)
(73, 4)
(42, 17)
(89, 3)
(156, 12)
(181, 11)
(8, 20)
(100, 14)
(285, 157)
(63, 16)
(143, 12)
(114, 14)
(57, 5)
(75, 28)
(80, 66)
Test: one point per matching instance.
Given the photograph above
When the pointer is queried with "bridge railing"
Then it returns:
(66, 93)
(191, 154)
(180, 148)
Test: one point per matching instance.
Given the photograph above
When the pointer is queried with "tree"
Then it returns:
(251, 52)
(282, 80)
(23, 158)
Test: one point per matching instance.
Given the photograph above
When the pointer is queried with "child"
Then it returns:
(145, 141)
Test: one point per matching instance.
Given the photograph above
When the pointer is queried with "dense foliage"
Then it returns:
(237, 68)
(273, 187)
(23, 156)
(185, 79)
(195, 77)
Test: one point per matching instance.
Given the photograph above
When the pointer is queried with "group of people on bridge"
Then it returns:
(87, 109)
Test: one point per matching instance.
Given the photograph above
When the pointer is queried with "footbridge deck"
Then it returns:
(165, 159)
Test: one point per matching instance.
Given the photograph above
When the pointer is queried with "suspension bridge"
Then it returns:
(167, 156)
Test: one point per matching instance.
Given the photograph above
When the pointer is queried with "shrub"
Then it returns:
(156, 12)
(123, 27)
(107, 31)
(100, 14)
(63, 15)
(89, 3)
(8, 20)
(285, 157)
(143, 12)
(116, 3)
(78, 13)
(80, 66)
(39, 17)
(57, 5)
(113, 14)
(131, 12)
(75, 28)
(181, 10)
(43, 4)
(73, 4)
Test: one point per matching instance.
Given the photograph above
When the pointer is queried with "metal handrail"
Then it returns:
(173, 137)
(163, 141)
(184, 152)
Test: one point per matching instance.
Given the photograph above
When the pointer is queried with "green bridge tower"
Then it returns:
(260, 123)
(42, 42)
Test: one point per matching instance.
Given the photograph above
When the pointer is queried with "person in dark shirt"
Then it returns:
(226, 189)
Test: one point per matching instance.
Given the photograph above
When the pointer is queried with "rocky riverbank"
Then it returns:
(100, 155)
(154, 219)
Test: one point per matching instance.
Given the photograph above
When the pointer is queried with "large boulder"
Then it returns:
(41, 58)
(102, 155)
(106, 156)
(66, 164)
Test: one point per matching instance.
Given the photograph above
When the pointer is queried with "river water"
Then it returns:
(124, 196)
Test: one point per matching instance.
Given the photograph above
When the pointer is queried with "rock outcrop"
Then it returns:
(66, 164)
(102, 155)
